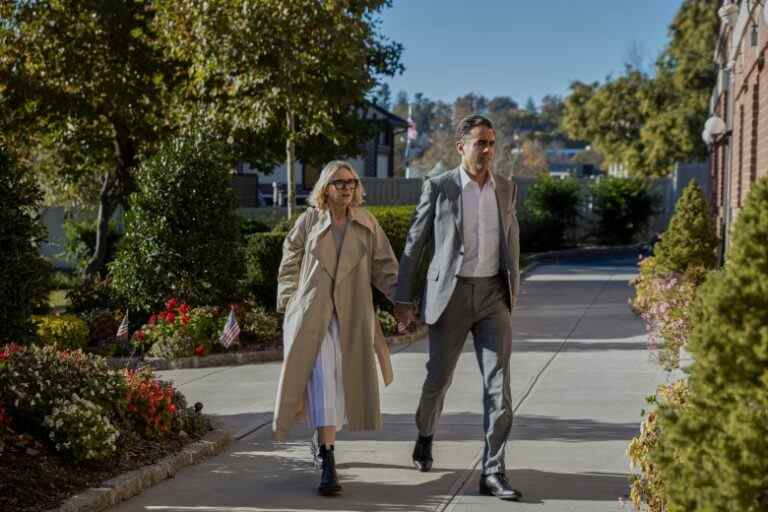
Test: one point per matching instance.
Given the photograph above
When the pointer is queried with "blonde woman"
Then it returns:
(333, 254)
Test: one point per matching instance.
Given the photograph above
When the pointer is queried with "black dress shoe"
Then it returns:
(329, 480)
(497, 485)
(422, 453)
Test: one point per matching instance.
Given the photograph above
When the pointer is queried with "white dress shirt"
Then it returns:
(480, 217)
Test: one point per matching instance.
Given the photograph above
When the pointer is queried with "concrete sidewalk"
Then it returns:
(580, 374)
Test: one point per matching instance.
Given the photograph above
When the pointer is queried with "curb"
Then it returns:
(234, 358)
(132, 483)
(582, 253)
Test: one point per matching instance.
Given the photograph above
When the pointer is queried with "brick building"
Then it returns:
(738, 127)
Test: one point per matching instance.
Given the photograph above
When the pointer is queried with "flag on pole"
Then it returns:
(231, 330)
(122, 331)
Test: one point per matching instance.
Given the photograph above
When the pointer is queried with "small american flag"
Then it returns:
(231, 330)
(122, 331)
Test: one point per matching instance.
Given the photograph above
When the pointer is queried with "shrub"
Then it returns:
(63, 331)
(35, 378)
(624, 207)
(690, 239)
(261, 326)
(5, 423)
(182, 229)
(648, 488)
(251, 226)
(553, 206)
(180, 331)
(262, 262)
(80, 428)
(80, 242)
(91, 294)
(150, 403)
(712, 456)
(24, 273)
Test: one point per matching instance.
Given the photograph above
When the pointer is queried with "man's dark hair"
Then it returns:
(465, 125)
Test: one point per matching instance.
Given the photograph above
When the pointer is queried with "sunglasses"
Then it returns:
(342, 184)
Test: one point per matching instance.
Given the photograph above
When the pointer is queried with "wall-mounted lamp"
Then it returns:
(714, 129)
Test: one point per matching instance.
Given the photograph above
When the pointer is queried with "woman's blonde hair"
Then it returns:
(317, 196)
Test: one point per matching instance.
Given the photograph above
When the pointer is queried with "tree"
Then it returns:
(85, 90)
(23, 272)
(382, 96)
(532, 160)
(299, 70)
(690, 239)
(649, 124)
(711, 455)
(182, 236)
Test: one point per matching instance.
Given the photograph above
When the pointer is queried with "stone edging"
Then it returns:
(132, 483)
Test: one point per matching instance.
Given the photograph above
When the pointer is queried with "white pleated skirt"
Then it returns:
(325, 389)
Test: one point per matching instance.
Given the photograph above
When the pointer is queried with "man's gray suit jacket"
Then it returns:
(438, 219)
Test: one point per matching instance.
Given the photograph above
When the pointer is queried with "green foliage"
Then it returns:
(182, 231)
(554, 209)
(91, 294)
(24, 273)
(80, 242)
(262, 262)
(248, 90)
(648, 491)
(624, 208)
(258, 324)
(690, 239)
(387, 321)
(648, 123)
(712, 454)
(63, 331)
(81, 429)
(37, 377)
(251, 226)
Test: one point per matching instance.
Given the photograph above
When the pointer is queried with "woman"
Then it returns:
(331, 257)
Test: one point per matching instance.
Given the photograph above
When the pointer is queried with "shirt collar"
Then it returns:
(466, 180)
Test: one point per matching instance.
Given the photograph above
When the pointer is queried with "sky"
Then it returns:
(520, 48)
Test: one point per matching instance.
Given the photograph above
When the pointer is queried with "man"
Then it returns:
(468, 214)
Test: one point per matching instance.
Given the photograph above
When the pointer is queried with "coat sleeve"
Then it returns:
(290, 264)
(383, 264)
(419, 235)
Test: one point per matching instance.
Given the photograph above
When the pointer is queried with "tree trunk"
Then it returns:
(290, 156)
(115, 187)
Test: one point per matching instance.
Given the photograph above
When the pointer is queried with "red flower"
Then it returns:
(139, 335)
(152, 319)
(184, 309)
(170, 304)
(170, 317)
(185, 319)
(171, 408)
(199, 351)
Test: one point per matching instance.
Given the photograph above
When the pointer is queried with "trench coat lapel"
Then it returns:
(353, 252)
(322, 245)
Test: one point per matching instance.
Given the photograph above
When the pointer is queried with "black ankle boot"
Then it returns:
(329, 481)
(422, 453)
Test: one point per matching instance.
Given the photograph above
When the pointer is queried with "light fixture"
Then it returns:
(714, 129)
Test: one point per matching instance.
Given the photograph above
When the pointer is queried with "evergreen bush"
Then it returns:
(690, 239)
(182, 229)
(553, 209)
(713, 452)
(623, 207)
(24, 274)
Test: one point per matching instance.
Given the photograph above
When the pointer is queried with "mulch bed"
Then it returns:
(34, 477)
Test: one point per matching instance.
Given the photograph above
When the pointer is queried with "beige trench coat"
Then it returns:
(309, 285)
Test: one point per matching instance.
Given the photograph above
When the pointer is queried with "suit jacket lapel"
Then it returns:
(456, 204)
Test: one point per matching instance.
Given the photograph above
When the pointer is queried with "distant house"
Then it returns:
(376, 160)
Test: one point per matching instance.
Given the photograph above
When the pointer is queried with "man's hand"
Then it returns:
(405, 315)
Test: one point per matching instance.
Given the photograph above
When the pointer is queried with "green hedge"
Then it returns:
(624, 208)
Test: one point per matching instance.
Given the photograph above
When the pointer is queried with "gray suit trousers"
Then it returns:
(478, 305)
